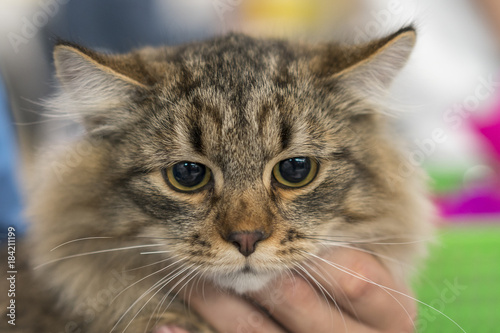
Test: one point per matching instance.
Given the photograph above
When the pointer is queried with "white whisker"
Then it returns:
(152, 264)
(374, 240)
(78, 240)
(370, 252)
(96, 252)
(142, 279)
(177, 293)
(154, 252)
(154, 286)
(330, 278)
(288, 271)
(363, 278)
(323, 290)
(145, 304)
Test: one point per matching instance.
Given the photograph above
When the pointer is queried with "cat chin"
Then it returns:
(242, 282)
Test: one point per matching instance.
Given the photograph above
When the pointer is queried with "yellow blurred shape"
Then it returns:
(289, 17)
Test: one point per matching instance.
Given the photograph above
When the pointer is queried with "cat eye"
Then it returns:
(296, 171)
(187, 176)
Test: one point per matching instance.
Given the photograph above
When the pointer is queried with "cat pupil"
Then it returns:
(189, 174)
(295, 170)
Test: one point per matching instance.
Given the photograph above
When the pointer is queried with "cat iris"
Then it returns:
(187, 176)
(295, 172)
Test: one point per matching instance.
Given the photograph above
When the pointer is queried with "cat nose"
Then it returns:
(246, 241)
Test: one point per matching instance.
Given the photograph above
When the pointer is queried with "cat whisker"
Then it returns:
(142, 279)
(155, 252)
(96, 252)
(193, 285)
(381, 237)
(169, 275)
(367, 241)
(319, 274)
(399, 262)
(387, 289)
(160, 284)
(177, 293)
(374, 240)
(78, 240)
(330, 278)
(321, 235)
(154, 286)
(145, 304)
(287, 270)
(203, 287)
(158, 306)
(303, 277)
(326, 239)
(324, 292)
(366, 279)
(108, 237)
(31, 123)
(152, 264)
(167, 238)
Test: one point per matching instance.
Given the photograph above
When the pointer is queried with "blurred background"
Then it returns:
(449, 96)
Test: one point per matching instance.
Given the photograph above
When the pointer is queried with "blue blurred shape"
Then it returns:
(10, 199)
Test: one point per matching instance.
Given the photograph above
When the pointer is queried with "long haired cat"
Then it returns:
(231, 160)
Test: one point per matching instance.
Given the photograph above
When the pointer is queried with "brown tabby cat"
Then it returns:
(230, 160)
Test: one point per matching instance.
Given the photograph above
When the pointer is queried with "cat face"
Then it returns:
(242, 135)
(241, 155)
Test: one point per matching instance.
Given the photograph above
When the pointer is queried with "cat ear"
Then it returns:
(92, 87)
(369, 69)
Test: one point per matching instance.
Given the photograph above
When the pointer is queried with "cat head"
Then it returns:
(241, 155)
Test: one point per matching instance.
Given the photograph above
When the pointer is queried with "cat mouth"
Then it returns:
(248, 270)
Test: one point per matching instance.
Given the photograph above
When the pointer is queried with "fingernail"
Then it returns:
(164, 329)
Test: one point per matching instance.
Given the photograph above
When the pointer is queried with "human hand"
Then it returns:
(354, 302)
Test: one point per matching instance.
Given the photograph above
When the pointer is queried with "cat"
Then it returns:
(231, 159)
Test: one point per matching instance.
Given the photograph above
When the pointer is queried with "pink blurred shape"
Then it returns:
(477, 201)
(488, 128)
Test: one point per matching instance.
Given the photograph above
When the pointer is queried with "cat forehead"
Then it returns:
(232, 64)
(238, 91)
(257, 126)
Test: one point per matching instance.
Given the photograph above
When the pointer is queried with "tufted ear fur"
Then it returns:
(93, 87)
(369, 69)
(384, 60)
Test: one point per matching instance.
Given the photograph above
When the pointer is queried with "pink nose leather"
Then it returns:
(246, 241)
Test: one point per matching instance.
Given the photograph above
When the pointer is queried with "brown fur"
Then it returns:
(238, 105)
